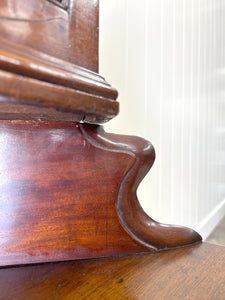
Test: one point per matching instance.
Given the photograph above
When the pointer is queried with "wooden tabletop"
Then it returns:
(196, 272)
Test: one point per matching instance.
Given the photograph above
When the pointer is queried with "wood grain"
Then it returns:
(39, 24)
(29, 77)
(13, 111)
(39, 80)
(64, 29)
(186, 273)
(28, 91)
(58, 195)
(84, 33)
(67, 192)
(135, 221)
(25, 61)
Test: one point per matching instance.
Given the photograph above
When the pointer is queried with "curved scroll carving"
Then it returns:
(134, 220)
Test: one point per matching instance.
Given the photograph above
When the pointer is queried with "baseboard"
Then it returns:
(206, 226)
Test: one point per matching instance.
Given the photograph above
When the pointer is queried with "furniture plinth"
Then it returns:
(68, 191)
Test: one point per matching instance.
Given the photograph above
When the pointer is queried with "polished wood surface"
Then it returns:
(32, 78)
(64, 29)
(68, 191)
(187, 273)
(39, 24)
(135, 221)
(52, 207)
(84, 33)
(25, 61)
(36, 93)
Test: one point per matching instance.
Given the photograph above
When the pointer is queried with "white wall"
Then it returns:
(167, 59)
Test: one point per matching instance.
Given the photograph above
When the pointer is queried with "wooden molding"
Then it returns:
(37, 79)
(28, 62)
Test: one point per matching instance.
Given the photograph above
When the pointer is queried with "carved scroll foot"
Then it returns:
(68, 191)
(134, 220)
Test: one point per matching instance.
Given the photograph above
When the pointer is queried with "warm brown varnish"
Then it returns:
(67, 188)
(187, 273)
(39, 24)
(58, 195)
(68, 191)
(68, 31)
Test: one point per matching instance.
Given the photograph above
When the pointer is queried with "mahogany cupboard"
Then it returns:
(67, 188)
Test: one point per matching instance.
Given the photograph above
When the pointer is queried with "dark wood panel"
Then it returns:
(39, 24)
(187, 273)
(28, 91)
(68, 191)
(64, 29)
(34, 64)
(58, 195)
(135, 221)
(84, 32)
